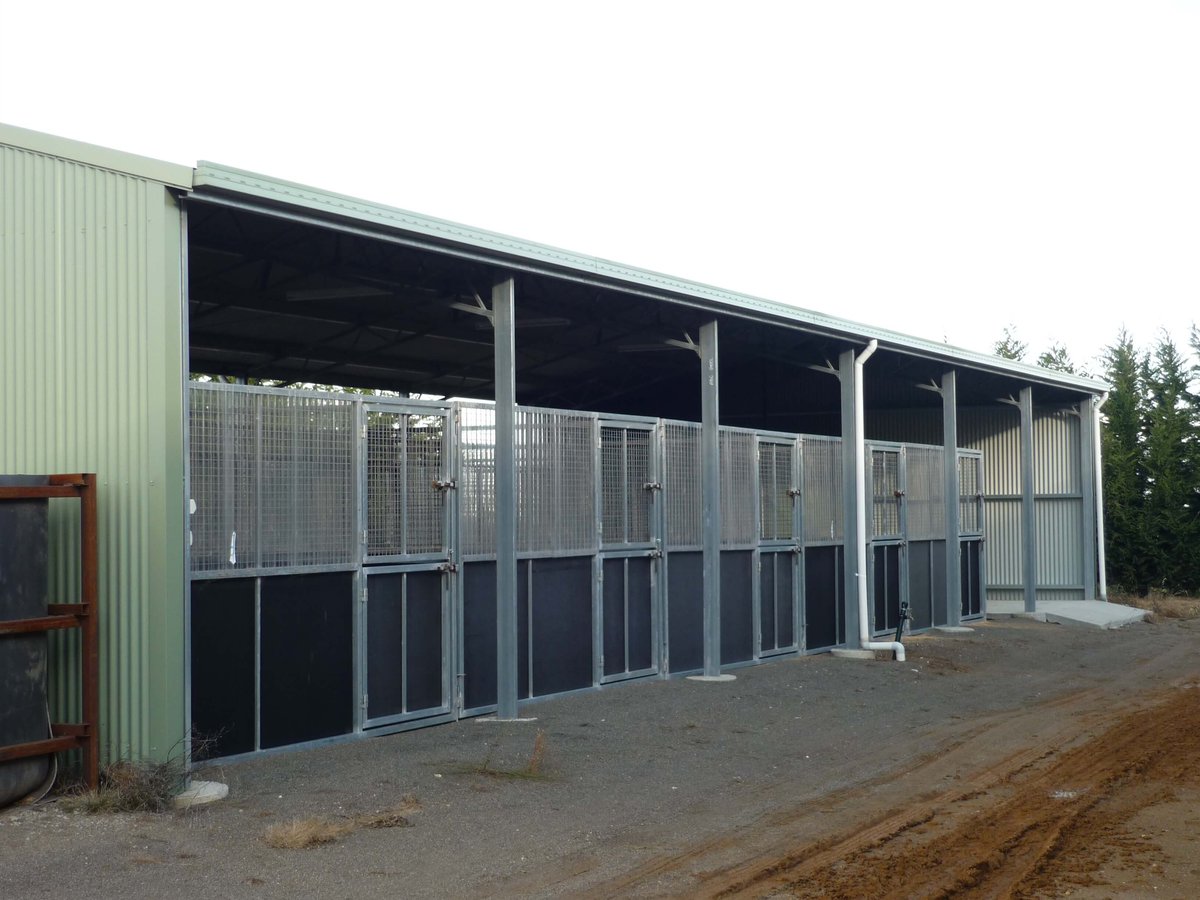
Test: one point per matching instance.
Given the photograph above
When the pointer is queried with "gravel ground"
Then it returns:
(630, 775)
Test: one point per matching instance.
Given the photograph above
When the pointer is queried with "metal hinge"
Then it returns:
(445, 485)
(364, 706)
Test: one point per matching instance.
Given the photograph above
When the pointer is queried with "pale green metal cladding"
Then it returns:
(91, 379)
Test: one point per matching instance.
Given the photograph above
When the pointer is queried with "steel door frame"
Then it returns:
(652, 549)
(794, 546)
(444, 561)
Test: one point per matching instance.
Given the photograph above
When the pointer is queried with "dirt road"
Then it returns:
(1022, 760)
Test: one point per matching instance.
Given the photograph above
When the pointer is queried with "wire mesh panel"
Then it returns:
(223, 426)
(477, 478)
(681, 484)
(925, 493)
(624, 476)
(406, 464)
(556, 488)
(885, 488)
(556, 494)
(272, 475)
(306, 479)
(739, 503)
(970, 486)
(775, 490)
(823, 509)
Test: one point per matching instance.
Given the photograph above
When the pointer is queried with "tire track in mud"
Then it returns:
(1044, 820)
(995, 831)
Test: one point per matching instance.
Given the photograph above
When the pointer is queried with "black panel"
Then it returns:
(423, 640)
(920, 584)
(938, 581)
(766, 602)
(971, 587)
(306, 675)
(562, 624)
(737, 606)
(785, 607)
(223, 665)
(523, 574)
(822, 596)
(885, 586)
(385, 637)
(879, 596)
(893, 585)
(614, 616)
(24, 593)
(685, 611)
(479, 634)
(641, 637)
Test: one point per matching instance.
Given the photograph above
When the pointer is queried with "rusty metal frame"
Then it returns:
(84, 615)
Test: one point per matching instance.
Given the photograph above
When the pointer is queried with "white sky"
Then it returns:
(942, 169)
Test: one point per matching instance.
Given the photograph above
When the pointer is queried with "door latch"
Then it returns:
(654, 554)
(444, 485)
(652, 486)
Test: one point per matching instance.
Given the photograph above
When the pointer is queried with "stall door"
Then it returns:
(630, 550)
(408, 565)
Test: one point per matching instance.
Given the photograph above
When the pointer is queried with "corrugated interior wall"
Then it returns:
(90, 380)
(1058, 488)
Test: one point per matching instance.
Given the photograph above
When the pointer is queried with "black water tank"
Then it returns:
(23, 658)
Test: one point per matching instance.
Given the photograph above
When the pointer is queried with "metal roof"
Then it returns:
(212, 178)
(170, 174)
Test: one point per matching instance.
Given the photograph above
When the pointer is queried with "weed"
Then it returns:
(533, 770)
(301, 834)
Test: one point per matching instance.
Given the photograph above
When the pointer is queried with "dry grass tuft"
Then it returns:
(1162, 605)
(301, 834)
(131, 787)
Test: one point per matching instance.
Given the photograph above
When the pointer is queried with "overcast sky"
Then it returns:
(941, 169)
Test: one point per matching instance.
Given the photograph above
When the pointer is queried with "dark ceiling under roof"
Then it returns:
(272, 298)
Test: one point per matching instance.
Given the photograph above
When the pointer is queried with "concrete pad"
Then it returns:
(851, 653)
(498, 719)
(953, 629)
(1091, 613)
(200, 793)
(722, 677)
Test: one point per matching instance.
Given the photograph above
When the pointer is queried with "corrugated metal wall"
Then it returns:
(1058, 502)
(90, 380)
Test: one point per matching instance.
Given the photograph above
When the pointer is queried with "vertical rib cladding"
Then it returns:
(1056, 453)
(91, 380)
(1003, 527)
(997, 432)
(1059, 548)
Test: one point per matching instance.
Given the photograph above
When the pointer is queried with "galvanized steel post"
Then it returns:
(503, 301)
(850, 573)
(950, 456)
(1087, 483)
(710, 485)
(1028, 517)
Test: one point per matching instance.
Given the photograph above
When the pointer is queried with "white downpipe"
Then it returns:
(1099, 494)
(860, 523)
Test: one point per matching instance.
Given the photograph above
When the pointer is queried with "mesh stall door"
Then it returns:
(886, 495)
(406, 484)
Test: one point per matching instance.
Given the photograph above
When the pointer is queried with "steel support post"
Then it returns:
(1028, 517)
(1098, 473)
(503, 300)
(950, 449)
(710, 486)
(850, 552)
(1087, 483)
